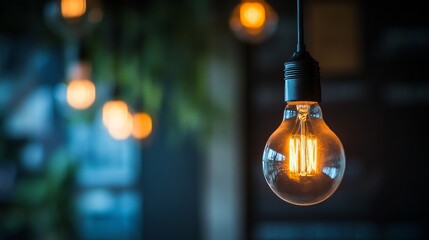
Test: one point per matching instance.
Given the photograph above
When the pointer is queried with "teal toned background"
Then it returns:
(214, 100)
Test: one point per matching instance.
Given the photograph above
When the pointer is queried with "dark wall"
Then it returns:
(377, 112)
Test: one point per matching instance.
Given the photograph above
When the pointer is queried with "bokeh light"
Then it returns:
(81, 93)
(122, 129)
(73, 8)
(253, 21)
(142, 125)
(252, 14)
(117, 119)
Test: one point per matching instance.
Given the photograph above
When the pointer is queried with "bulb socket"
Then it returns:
(302, 78)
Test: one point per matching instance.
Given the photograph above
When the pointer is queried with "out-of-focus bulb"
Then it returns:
(252, 14)
(80, 93)
(122, 131)
(253, 21)
(72, 18)
(73, 8)
(117, 119)
(142, 125)
(303, 160)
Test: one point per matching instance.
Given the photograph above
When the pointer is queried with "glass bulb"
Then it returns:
(303, 161)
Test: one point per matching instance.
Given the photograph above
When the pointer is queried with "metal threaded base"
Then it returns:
(302, 78)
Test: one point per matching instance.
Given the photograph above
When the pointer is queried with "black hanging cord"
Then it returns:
(300, 26)
(302, 76)
(116, 55)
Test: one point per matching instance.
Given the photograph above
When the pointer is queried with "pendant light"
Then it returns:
(117, 119)
(253, 21)
(142, 125)
(73, 18)
(81, 91)
(303, 160)
(142, 121)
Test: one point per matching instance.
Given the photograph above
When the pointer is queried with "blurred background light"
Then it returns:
(208, 79)
(142, 125)
(115, 113)
(80, 93)
(72, 19)
(252, 15)
(117, 119)
(122, 129)
(253, 21)
(73, 8)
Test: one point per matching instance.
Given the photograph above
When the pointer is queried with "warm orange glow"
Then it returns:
(142, 125)
(117, 119)
(302, 146)
(114, 113)
(302, 155)
(252, 14)
(73, 8)
(80, 94)
(301, 103)
(123, 130)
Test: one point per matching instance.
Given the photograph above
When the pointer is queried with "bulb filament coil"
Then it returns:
(302, 147)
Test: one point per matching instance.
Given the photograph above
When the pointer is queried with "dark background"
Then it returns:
(378, 111)
(376, 114)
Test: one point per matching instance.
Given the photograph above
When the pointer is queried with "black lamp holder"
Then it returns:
(302, 75)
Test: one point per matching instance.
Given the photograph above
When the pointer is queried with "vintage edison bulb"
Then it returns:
(303, 160)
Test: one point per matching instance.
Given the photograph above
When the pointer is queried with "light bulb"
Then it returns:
(73, 18)
(80, 90)
(142, 123)
(80, 93)
(114, 113)
(122, 130)
(252, 15)
(73, 8)
(253, 21)
(303, 160)
(117, 119)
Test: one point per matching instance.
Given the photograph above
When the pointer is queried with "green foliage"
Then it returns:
(158, 60)
(42, 202)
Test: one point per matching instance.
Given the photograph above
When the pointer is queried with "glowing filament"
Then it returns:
(252, 14)
(73, 8)
(302, 155)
